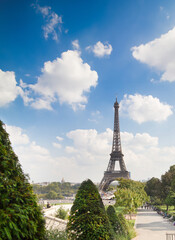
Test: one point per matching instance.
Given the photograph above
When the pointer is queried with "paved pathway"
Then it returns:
(152, 226)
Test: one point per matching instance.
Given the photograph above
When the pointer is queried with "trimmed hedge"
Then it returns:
(88, 219)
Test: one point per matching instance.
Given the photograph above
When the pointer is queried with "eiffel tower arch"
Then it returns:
(111, 174)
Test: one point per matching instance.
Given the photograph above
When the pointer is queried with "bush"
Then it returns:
(114, 219)
(62, 213)
(20, 216)
(123, 225)
(55, 234)
(88, 219)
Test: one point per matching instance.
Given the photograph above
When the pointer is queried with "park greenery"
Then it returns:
(20, 216)
(61, 213)
(55, 190)
(162, 191)
(130, 195)
(89, 220)
(55, 234)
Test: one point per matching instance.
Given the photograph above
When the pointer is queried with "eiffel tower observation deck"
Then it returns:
(111, 174)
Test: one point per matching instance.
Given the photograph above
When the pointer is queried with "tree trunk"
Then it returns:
(167, 207)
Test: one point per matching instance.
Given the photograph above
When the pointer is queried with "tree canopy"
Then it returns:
(130, 194)
(162, 191)
(20, 216)
(55, 190)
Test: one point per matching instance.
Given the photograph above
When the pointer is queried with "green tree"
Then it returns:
(88, 219)
(51, 195)
(167, 181)
(126, 198)
(62, 213)
(170, 199)
(123, 224)
(20, 216)
(114, 220)
(130, 194)
(153, 188)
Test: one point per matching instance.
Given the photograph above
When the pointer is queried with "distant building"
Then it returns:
(62, 181)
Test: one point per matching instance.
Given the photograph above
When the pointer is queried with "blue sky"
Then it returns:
(62, 64)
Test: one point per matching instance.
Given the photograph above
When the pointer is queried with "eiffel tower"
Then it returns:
(110, 174)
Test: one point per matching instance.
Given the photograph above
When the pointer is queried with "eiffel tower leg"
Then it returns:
(104, 184)
(122, 165)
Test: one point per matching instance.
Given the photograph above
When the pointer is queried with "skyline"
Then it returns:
(62, 65)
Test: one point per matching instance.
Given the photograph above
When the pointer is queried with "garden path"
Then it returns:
(152, 226)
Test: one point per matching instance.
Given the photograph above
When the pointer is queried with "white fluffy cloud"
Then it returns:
(145, 108)
(65, 79)
(8, 87)
(17, 136)
(100, 50)
(144, 158)
(159, 53)
(35, 159)
(90, 141)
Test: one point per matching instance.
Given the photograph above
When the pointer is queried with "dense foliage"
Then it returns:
(124, 230)
(118, 224)
(55, 234)
(130, 194)
(62, 213)
(20, 216)
(153, 189)
(162, 191)
(55, 190)
(88, 219)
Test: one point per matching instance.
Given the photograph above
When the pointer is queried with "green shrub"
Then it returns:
(88, 219)
(114, 219)
(55, 234)
(20, 216)
(123, 224)
(62, 213)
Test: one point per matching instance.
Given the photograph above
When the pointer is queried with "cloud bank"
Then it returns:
(87, 155)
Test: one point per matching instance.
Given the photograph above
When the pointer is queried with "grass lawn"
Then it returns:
(171, 209)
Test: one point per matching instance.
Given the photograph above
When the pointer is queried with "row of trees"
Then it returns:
(55, 190)
(162, 191)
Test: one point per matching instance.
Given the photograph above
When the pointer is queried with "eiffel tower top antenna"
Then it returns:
(116, 146)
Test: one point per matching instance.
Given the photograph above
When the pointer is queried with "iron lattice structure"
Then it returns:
(110, 174)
